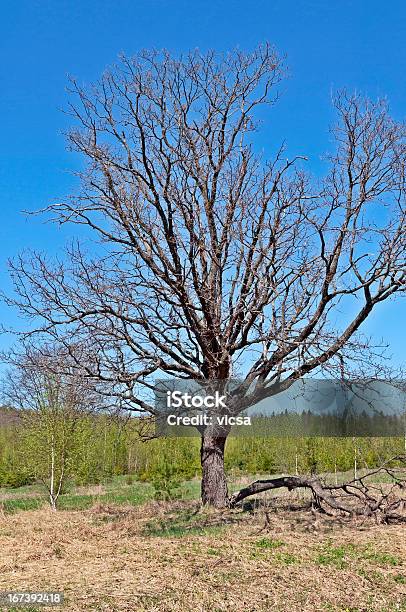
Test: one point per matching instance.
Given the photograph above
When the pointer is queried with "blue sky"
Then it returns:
(329, 45)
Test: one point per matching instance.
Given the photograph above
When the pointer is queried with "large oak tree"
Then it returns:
(214, 260)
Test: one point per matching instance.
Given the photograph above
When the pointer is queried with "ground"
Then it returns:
(174, 556)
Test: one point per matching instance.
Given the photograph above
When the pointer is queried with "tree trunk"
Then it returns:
(52, 499)
(214, 482)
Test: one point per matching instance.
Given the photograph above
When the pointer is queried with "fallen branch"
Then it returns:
(385, 502)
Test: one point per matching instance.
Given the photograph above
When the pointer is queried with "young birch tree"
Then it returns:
(51, 399)
(216, 260)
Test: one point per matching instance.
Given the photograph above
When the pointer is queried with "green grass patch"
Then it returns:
(117, 493)
(75, 502)
(269, 543)
(286, 558)
(340, 556)
(10, 506)
(265, 545)
(133, 495)
(380, 558)
(400, 579)
(30, 488)
(334, 555)
(371, 575)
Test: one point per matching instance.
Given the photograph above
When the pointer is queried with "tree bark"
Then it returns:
(214, 482)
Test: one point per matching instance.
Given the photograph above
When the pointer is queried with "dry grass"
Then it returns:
(176, 557)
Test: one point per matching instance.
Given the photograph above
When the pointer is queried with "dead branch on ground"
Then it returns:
(365, 496)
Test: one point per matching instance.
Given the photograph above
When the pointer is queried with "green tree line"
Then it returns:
(98, 447)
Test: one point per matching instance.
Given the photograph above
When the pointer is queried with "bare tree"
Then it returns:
(213, 261)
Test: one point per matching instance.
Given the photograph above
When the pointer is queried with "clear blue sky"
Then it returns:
(357, 44)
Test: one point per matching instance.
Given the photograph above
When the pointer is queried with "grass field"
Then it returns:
(112, 547)
(118, 490)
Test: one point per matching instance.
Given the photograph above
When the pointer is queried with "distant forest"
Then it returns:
(346, 423)
(101, 446)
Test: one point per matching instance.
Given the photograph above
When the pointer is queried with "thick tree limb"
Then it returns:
(385, 502)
